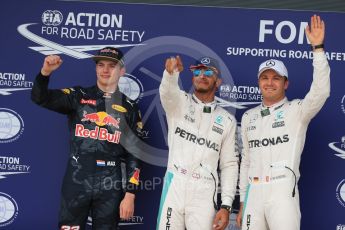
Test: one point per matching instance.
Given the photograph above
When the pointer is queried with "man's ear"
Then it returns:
(122, 71)
(218, 82)
(286, 84)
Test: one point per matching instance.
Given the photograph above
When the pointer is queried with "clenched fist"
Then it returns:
(174, 64)
(51, 63)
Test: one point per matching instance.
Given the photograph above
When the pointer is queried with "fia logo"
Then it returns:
(52, 17)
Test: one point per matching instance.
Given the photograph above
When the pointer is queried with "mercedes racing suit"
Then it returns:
(101, 127)
(201, 137)
(273, 140)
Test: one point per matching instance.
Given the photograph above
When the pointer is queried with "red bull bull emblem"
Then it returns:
(101, 119)
(93, 117)
(109, 120)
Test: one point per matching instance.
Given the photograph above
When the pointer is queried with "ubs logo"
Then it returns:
(131, 87)
(8, 209)
(340, 193)
(11, 125)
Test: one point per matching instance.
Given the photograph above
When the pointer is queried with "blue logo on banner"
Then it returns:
(8, 209)
(340, 227)
(340, 193)
(11, 125)
(131, 87)
(339, 147)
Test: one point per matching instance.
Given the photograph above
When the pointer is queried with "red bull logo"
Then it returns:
(101, 119)
(98, 133)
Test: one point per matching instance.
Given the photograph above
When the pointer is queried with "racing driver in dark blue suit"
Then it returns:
(104, 129)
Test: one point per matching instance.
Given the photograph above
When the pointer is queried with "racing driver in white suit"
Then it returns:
(201, 138)
(273, 136)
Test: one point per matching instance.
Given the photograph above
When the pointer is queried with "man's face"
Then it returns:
(205, 81)
(108, 73)
(272, 86)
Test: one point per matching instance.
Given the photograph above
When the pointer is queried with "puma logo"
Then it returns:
(75, 158)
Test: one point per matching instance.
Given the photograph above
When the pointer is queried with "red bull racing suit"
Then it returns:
(273, 140)
(201, 137)
(102, 126)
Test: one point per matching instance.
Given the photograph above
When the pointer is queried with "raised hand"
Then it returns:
(316, 30)
(174, 64)
(50, 64)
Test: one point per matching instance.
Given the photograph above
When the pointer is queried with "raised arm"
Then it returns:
(320, 87)
(169, 90)
(54, 99)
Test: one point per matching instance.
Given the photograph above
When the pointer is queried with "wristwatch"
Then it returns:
(321, 46)
(226, 207)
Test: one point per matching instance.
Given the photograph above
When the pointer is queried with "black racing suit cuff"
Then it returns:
(42, 78)
(132, 188)
(40, 74)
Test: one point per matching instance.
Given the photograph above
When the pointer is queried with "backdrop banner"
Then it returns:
(35, 141)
